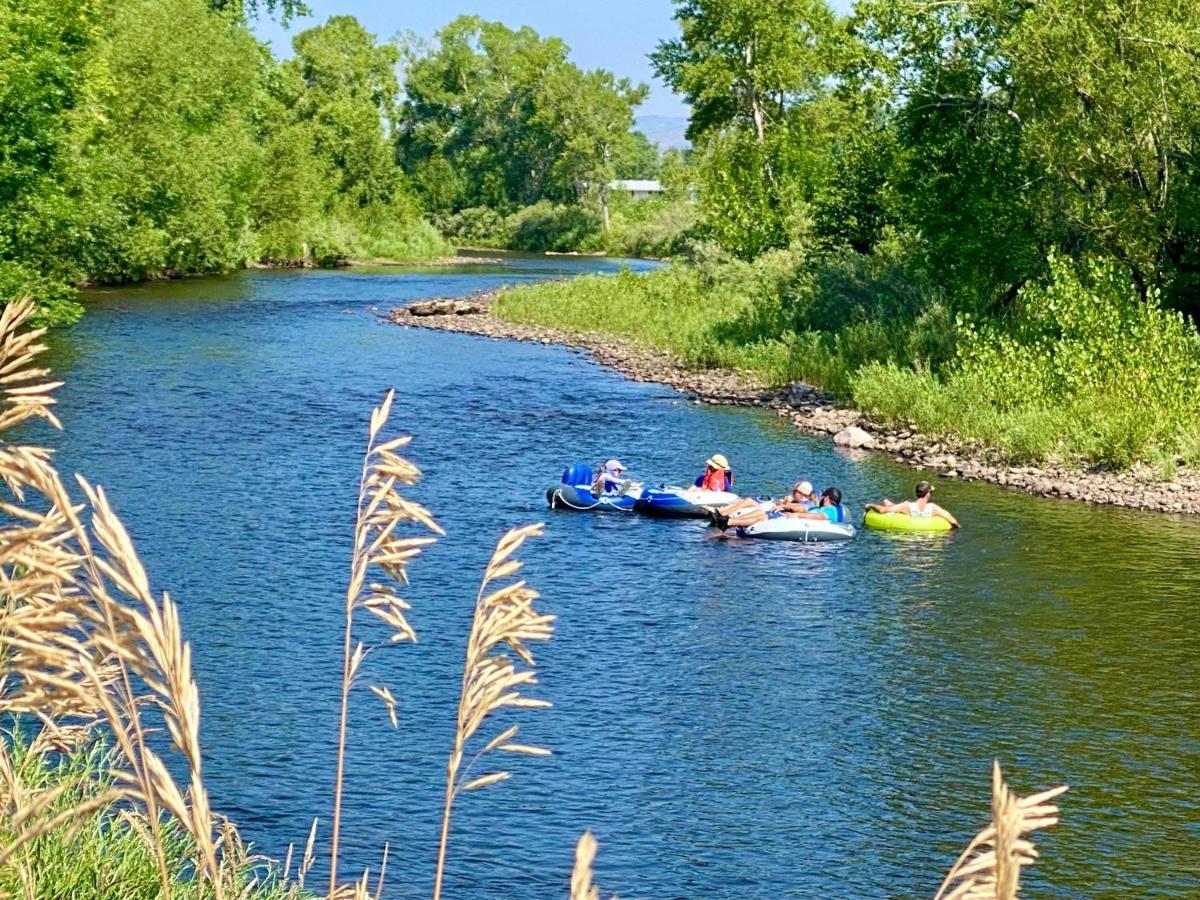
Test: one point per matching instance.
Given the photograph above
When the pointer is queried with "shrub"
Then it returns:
(548, 226)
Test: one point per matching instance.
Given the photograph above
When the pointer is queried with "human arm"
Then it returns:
(945, 514)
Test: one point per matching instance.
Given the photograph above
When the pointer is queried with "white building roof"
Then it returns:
(634, 185)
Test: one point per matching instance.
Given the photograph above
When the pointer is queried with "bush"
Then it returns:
(548, 226)
(477, 225)
(1084, 371)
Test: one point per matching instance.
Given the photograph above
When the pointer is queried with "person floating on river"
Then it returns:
(798, 505)
(609, 480)
(921, 508)
(718, 476)
(801, 498)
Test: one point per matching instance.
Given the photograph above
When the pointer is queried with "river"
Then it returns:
(731, 718)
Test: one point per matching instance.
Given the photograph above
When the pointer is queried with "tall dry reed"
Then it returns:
(505, 621)
(582, 887)
(380, 511)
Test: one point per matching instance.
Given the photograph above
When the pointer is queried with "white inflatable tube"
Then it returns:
(792, 528)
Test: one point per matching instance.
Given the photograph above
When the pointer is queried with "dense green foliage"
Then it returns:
(981, 218)
(509, 144)
(146, 138)
(1084, 371)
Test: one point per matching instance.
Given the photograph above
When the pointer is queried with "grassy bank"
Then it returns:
(106, 853)
(1081, 370)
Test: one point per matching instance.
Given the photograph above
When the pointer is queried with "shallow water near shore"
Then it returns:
(731, 718)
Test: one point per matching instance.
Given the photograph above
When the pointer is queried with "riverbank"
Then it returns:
(813, 412)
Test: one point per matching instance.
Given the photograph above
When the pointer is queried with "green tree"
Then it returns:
(1027, 126)
(592, 115)
(43, 44)
(167, 156)
(472, 109)
(760, 80)
(501, 118)
(740, 62)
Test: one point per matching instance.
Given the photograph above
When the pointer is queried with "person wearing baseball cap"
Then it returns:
(749, 511)
(921, 508)
(609, 480)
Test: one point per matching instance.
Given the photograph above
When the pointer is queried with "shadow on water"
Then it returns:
(732, 718)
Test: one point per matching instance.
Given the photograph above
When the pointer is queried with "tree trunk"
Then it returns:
(603, 189)
(756, 107)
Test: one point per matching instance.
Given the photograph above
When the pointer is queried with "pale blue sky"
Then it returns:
(610, 34)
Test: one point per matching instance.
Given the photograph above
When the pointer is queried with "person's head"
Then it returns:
(614, 467)
(923, 489)
(831, 496)
(717, 461)
(802, 490)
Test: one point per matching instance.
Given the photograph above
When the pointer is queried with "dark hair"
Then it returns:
(924, 488)
(834, 495)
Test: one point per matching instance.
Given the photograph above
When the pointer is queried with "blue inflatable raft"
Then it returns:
(575, 492)
(681, 503)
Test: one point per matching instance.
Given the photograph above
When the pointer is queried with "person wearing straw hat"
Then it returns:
(921, 508)
(718, 476)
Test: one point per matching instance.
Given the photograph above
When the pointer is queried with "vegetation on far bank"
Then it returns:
(1083, 372)
(981, 218)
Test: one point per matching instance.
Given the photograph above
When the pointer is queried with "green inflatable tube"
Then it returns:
(898, 522)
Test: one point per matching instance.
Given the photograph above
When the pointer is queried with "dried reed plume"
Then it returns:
(380, 510)
(581, 876)
(504, 621)
(69, 647)
(990, 867)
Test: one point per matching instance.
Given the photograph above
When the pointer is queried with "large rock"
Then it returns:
(801, 391)
(854, 437)
(444, 306)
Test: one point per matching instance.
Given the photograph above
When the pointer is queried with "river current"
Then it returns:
(731, 718)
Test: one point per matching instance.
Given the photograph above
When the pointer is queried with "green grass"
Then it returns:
(108, 855)
(718, 314)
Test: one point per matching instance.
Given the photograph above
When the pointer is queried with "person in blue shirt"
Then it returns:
(829, 508)
(798, 506)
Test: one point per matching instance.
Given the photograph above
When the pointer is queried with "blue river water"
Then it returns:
(731, 718)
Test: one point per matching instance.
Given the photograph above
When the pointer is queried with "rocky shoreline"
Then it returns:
(813, 412)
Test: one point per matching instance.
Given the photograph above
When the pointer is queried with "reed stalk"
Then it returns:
(379, 511)
(504, 622)
(582, 887)
(990, 866)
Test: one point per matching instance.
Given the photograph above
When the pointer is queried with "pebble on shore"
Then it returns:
(811, 411)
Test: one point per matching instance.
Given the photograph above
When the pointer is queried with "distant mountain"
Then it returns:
(666, 131)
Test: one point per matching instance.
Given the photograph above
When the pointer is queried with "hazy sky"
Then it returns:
(610, 34)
